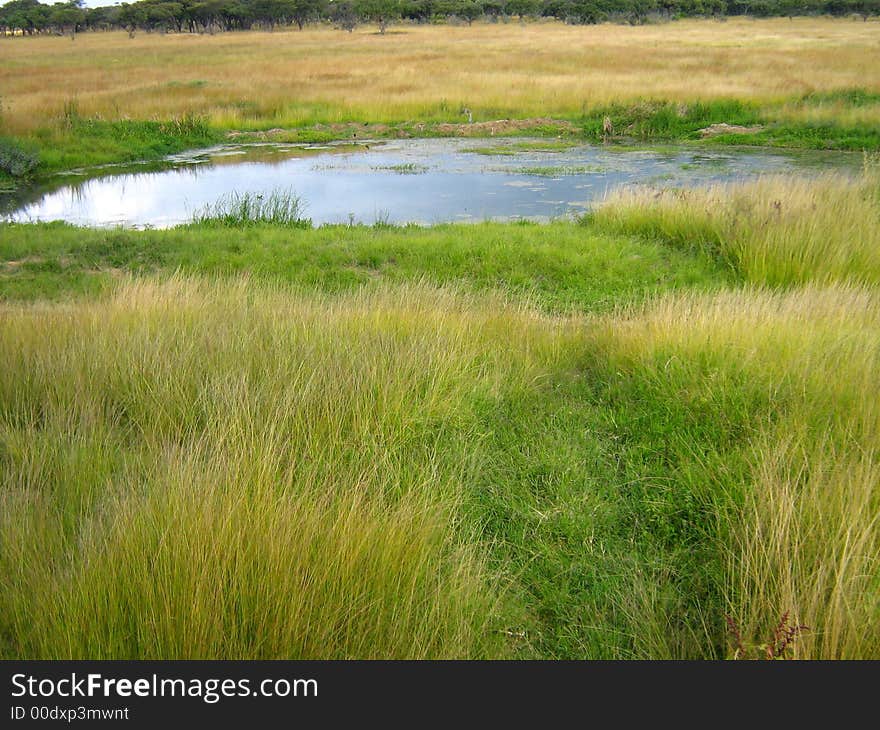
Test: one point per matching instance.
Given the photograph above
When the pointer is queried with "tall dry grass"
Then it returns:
(226, 471)
(429, 73)
(198, 468)
(781, 230)
(837, 112)
(804, 534)
(803, 347)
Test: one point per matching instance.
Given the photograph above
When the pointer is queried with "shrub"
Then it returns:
(15, 161)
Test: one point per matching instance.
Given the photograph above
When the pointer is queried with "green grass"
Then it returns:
(514, 148)
(235, 210)
(783, 494)
(664, 121)
(589, 440)
(777, 231)
(74, 142)
(562, 265)
(406, 168)
(559, 171)
(601, 509)
(16, 162)
(808, 136)
(162, 498)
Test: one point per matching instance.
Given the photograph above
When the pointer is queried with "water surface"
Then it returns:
(402, 181)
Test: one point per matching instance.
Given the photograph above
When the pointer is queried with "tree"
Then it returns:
(100, 18)
(381, 12)
(420, 10)
(195, 16)
(305, 11)
(494, 8)
(469, 10)
(587, 12)
(523, 8)
(161, 15)
(638, 10)
(28, 15)
(344, 14)
(207, 15)
(268, 13)
(131, 17)
(65, 17)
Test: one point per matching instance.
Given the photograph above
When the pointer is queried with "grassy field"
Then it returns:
(107, 98)
(426, 73)
(560, 265)
(609, 439)
(652, 433)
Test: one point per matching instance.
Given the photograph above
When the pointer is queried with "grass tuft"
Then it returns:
(278, 207)
(779, 231)
(205, 470)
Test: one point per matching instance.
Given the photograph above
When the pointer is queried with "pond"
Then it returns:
(422, 181)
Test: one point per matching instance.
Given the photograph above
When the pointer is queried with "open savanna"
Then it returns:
(418, 73)
(608, 439)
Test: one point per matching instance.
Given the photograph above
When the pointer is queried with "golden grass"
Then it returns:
(780, 230)
(500, 70)
(285, 469)
(209, 470)
(807, 538)
(831, 113)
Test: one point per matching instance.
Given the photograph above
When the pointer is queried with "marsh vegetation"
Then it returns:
(108, 98)
(616, 437)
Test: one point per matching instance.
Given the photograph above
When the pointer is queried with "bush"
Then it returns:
(16, 161)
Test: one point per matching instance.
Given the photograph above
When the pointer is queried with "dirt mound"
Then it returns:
(475, 129)
(354, 130)
(501, 126)
(714, 130)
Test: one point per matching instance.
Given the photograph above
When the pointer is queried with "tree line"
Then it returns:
(28, 17)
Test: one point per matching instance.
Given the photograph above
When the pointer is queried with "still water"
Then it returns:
(403, 181)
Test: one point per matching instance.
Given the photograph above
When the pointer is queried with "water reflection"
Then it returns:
(421, 181)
